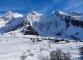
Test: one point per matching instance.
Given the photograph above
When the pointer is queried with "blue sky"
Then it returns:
(40, 6)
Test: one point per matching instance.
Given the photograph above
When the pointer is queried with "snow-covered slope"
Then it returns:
(57, 24)
(10, 21)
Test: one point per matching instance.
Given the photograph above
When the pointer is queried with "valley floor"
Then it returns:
(14, 48)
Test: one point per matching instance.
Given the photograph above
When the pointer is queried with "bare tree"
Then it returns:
(23, 57)
(81, 50)
(59, 55)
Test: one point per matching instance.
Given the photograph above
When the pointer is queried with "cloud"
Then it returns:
(73, 4)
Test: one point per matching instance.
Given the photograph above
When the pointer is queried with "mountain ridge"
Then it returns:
(57, 24)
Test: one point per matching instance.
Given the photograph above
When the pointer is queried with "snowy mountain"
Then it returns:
(57, 24)
(10, 21)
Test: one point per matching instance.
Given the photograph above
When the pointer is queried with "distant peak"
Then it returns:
(75, 13)
(57, 11)
(34, 13)
(9, 13)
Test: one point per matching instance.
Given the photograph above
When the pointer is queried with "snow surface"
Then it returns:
(13, 46)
